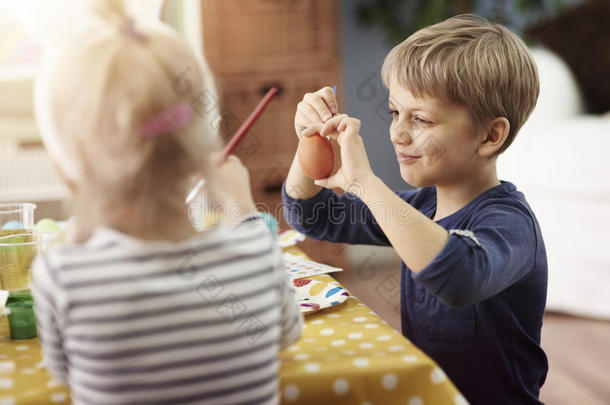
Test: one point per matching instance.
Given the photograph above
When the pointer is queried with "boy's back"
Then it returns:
(158, 322)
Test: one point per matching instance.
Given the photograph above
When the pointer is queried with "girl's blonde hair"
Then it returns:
(471, 62)
(99, 90)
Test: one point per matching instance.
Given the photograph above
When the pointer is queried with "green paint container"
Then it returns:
(21, 319)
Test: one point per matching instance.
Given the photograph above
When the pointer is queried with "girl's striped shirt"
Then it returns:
(126, 321)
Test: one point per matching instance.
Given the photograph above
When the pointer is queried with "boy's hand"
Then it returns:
(315, 108)
(355, 169)
(228, 188)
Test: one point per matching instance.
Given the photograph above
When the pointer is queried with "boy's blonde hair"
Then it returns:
(98, 91)
(471, 62)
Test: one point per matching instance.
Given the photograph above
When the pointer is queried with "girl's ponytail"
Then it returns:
(112, 12)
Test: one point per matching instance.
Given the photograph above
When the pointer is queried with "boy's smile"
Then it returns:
(406, 158)
(433, 138)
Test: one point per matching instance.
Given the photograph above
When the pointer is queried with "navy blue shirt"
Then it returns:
(477, 308)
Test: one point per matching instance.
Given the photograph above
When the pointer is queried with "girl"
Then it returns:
(137, 307)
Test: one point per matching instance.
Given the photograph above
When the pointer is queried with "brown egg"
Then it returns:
(316, 156)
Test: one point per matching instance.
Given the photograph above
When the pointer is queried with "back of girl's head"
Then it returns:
(98, 92)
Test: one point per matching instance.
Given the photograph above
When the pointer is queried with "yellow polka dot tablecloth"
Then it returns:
(348, 355)
(22, 381)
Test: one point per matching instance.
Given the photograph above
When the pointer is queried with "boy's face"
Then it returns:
(434, 140)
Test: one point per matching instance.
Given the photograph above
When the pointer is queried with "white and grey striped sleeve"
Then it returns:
(291, 320)
(47, 300)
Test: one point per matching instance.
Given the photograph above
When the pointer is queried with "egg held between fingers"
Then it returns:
(316, 156)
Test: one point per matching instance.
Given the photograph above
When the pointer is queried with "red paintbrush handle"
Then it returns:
(241, 132)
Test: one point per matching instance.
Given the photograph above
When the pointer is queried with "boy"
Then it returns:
(474, 271)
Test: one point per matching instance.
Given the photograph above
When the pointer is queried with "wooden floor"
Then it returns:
(578, 349)
(579, 360)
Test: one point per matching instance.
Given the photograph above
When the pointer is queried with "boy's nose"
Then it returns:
(401, 134)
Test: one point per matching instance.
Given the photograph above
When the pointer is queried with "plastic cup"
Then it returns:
(16, 217)
(16, 255)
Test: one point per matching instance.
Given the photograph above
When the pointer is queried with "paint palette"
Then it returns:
(298, 267)
(316, 295)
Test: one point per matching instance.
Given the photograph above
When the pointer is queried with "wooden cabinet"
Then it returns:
(270, 35)
(252, 45)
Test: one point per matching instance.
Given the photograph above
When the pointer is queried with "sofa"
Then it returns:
(560, 160)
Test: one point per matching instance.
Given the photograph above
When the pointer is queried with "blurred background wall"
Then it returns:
(360, 32)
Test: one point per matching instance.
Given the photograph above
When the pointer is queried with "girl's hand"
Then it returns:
(315, 108)
(355, 169)
(228, 189)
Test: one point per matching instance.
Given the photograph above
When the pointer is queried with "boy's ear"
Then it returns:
(494, 136)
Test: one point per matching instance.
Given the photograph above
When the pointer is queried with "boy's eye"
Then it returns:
(393, 113)
(420, 120)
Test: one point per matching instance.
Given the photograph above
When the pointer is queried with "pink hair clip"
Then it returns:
(170, 120)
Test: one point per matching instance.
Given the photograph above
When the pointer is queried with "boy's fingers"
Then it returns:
(301, 122)
(312, 130)
(329, 182)
(318, 103)
(332, 124)
(322, 182)
(309, 112)
(328, 128)
(349, 123)
(330, 98)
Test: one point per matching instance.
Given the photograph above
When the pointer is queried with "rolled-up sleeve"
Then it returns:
(497, 250)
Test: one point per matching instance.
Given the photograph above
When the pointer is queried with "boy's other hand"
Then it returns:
(315, 108)
(355, 168)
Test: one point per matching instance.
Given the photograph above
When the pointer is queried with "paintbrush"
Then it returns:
(236, 138)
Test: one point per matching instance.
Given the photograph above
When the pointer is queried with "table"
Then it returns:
(346, 355)
(22, 381)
